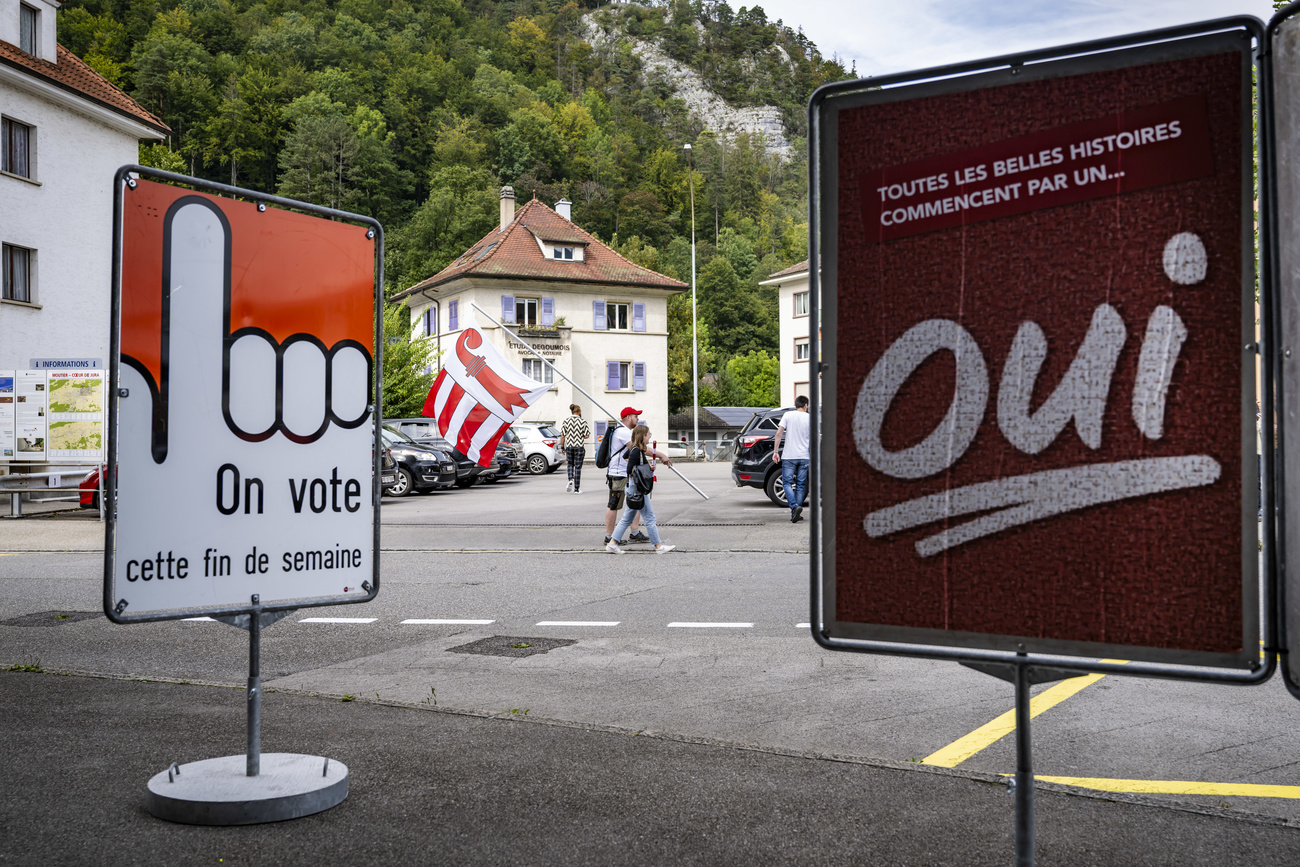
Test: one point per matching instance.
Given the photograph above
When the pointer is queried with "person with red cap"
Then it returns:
(616, 474)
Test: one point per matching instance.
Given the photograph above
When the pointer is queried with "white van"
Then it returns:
(539, 443)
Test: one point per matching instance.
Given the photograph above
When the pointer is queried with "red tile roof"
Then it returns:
(515, 254)
(71, 73)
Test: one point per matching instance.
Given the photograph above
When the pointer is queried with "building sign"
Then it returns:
(1039, 413)
(549, 350)
(67, 363)
(245, 446)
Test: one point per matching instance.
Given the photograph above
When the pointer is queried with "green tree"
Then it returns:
(681, 352)
(408, 365)
(759, 375)
(738, 322)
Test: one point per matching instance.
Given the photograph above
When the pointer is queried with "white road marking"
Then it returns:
(199, 619)
(578, 623)
(710, 625)
(450, 622)
(803, 626)
(338, 620)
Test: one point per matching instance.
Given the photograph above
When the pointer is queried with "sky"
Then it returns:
(884, 36)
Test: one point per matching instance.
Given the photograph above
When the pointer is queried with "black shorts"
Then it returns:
(617, 488)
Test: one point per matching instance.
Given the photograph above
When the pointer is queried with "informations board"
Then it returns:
(1038, 403)
(245, 378)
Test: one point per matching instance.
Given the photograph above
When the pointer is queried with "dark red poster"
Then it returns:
(1039, 370)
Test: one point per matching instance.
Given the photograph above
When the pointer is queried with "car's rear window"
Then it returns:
(549, 431)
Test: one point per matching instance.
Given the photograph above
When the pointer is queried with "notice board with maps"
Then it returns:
(51, 416)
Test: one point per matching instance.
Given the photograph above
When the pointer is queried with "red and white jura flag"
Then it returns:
(477, 396)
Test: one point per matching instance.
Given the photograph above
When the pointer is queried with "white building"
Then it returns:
(64, 131)
(796, 358)
(601, 319)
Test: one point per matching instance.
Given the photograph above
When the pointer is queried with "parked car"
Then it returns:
(508, 462)
(752, 465)
(387, 469)
(89, 487)
(539, 443)
(425, 432)
(419, 467)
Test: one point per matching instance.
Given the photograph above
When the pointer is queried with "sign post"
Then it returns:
(243, 443)
(1037, 406)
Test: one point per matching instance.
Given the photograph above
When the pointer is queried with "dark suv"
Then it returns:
(419, 467)
(752, 465)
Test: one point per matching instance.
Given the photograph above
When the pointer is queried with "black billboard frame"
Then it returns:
(1256, 669)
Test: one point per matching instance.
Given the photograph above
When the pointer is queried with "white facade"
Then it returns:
(795, 328)
(577, 348)
(62, 214)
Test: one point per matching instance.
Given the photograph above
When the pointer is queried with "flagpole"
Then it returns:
(593, 400)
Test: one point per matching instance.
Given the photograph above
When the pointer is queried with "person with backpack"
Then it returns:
(639, 483)
(611, 456)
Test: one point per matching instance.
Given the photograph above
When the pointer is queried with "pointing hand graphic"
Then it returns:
(244, 449)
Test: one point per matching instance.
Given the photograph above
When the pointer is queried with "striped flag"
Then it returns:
(477, 396)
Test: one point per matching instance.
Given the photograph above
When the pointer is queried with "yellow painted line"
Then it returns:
(1177, 787)
(991, 732)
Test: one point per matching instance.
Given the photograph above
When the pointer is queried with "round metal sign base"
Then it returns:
(219, 791)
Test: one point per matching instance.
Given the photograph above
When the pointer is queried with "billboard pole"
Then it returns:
(1024, 772)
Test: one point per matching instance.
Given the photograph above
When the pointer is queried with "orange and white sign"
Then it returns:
(245, 432)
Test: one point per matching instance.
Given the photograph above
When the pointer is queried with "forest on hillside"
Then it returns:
(416, 112)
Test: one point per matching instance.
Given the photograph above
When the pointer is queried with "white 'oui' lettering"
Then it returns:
(1080, 397)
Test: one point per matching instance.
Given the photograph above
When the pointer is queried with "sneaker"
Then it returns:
(638, 536)
(797, 515)
(570, 486)
(576, 491)
(608, 538)
(664, 549)
(612, 547)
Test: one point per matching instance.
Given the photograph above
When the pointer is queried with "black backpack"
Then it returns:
(606, 443)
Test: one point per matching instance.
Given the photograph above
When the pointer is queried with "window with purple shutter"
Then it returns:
(453, 315)
(611, 376)
(508, 309)
(598, 315)
(548, 312)
(428, 322)
(638, 376)
(638, 316)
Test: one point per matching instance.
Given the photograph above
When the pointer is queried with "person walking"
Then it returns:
(794, 459)
(616, 473)
(640, 452)
(573, 439)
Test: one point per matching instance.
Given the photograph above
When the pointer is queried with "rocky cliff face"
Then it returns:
(713, 112)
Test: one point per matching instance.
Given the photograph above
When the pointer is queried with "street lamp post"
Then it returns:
(695, 344)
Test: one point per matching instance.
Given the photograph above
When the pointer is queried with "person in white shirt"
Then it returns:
(796, 431)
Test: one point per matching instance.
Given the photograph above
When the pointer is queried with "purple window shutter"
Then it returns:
(638, 376)
(611, 376)
(638, 316)
(598, 315)
(424, 322)
(453, 315)
(508, 309)
(548, 312)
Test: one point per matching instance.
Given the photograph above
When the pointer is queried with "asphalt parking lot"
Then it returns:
(704, 652)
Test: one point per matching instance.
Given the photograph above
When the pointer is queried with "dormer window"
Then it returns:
(562, 253)
(27, 18)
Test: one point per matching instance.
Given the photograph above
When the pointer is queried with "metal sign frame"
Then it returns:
(1282, 319)
(245, 614)
(1244, 667)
